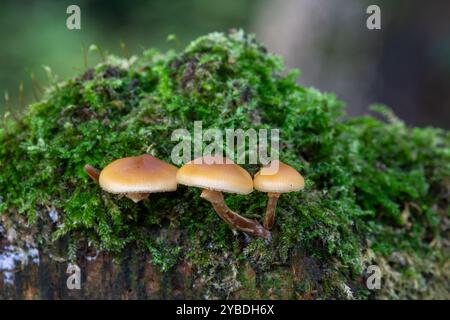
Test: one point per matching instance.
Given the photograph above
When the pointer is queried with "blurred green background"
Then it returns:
(34, 33)
(406, 65)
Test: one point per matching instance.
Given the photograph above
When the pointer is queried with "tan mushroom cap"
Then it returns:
(287, 179)
(142, 174)
(215, 173)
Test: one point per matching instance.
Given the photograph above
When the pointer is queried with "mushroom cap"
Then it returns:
(142, 174)
(215, 173)
(287, 179)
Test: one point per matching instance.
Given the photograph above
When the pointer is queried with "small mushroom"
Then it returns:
(137, 177)
(216, 175)
(285, 180)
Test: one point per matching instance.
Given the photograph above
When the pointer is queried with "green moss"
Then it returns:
(372, 186)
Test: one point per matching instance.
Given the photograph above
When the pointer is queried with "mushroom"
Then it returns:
(285, 180)
(216, 175)
(137, 177)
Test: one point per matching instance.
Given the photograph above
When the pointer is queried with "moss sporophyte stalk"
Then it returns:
(376, 191)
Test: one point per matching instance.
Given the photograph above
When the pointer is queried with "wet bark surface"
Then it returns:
(105, 277)
(133, 276)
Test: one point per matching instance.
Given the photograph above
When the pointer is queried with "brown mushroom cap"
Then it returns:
(143, 174)
(215, 173)
(287, 179)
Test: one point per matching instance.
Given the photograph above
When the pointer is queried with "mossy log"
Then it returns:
(133, 276)
(376, 191)
(106, 277)
(130, 274)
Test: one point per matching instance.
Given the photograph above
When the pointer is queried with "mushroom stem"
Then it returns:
(235, 220)
(92, 172)
(136, 197)
(269, 219)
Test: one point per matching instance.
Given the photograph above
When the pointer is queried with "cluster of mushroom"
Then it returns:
(137, 177)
